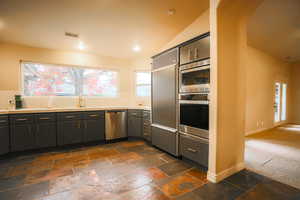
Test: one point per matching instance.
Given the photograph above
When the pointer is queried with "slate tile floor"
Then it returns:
(129, 170)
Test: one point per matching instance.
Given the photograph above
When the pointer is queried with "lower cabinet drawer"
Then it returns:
(3, 120)
(135, 113)
(22, 119)
(195, 149)
(164, 140)
(69, 116)
(45, 117)
(94, 115)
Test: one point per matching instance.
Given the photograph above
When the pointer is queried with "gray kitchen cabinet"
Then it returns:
(69, 128)
(46, 135)
(147, 125)
(169, 57)
(69, 132)
(4, 135)
(164, 139)
(94, 130)
(195, 149)
(22, 134)
(45, 130)
(94, 126)
(195, 50)
(135, 123)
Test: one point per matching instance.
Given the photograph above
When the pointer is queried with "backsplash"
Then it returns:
(64, 102)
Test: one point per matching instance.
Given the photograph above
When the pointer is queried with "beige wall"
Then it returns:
(295, 110)
(263, 71)
(228, 86)
(198, 27)
(10, 56)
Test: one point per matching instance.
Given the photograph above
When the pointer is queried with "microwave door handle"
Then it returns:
(195, 69)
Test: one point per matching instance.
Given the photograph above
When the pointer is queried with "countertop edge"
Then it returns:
(84, 109)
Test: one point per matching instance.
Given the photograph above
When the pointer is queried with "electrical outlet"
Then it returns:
(262, 124)
(257, 124)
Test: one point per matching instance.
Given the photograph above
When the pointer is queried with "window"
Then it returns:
(99, 83)
(54, 80)
(143, 84)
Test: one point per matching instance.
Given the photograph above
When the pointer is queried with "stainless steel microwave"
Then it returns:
(195, 77)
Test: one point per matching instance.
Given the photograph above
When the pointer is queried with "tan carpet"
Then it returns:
(276, 153)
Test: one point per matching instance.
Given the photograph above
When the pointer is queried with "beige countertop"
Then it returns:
(70, 109)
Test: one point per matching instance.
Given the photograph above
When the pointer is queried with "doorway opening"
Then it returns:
(272, 119)
(280, 103)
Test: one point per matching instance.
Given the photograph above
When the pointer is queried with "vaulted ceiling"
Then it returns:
(275, 28)
(106, 27)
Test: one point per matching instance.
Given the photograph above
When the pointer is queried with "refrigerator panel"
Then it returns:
(164, 96)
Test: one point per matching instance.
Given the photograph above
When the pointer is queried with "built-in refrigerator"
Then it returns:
(164, 101)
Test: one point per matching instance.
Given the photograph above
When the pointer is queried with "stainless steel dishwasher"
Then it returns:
(115, 124)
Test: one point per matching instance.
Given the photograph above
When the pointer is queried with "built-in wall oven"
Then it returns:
(195, 77)
(194, 114)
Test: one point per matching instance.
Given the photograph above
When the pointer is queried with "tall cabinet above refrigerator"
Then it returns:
(164, 101)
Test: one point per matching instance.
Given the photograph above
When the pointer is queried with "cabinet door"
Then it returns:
(164, 139)
(167, 58)
(46, 135)
(134, 127)
(22, 137)
(195, 149)
(70, 132)
(4, 140)
(94, 130)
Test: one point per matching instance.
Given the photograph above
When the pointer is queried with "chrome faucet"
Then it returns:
(81, 101)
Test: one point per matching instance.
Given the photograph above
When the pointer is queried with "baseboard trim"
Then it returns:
(215, 178)
(257, 131)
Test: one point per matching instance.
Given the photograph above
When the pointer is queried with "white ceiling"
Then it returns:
(107, 27)
(275, 28)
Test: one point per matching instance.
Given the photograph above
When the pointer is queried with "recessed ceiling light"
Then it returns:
(171, 11)
(136, 48)
(81, 45)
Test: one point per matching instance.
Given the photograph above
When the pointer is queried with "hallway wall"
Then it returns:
(295, 111)
(198, 27)
(262, 72)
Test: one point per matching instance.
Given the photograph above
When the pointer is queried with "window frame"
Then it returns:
(136, 84)
(73, 66)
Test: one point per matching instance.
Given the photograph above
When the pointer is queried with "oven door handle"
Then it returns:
(195, 69)
(193, 102)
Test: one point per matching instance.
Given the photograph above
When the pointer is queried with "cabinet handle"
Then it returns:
(21, 119)
(93, 115)
(192, 150)
(189, 54)
(79, 124)
(44, 118)
(2, 121)
(70, 116)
